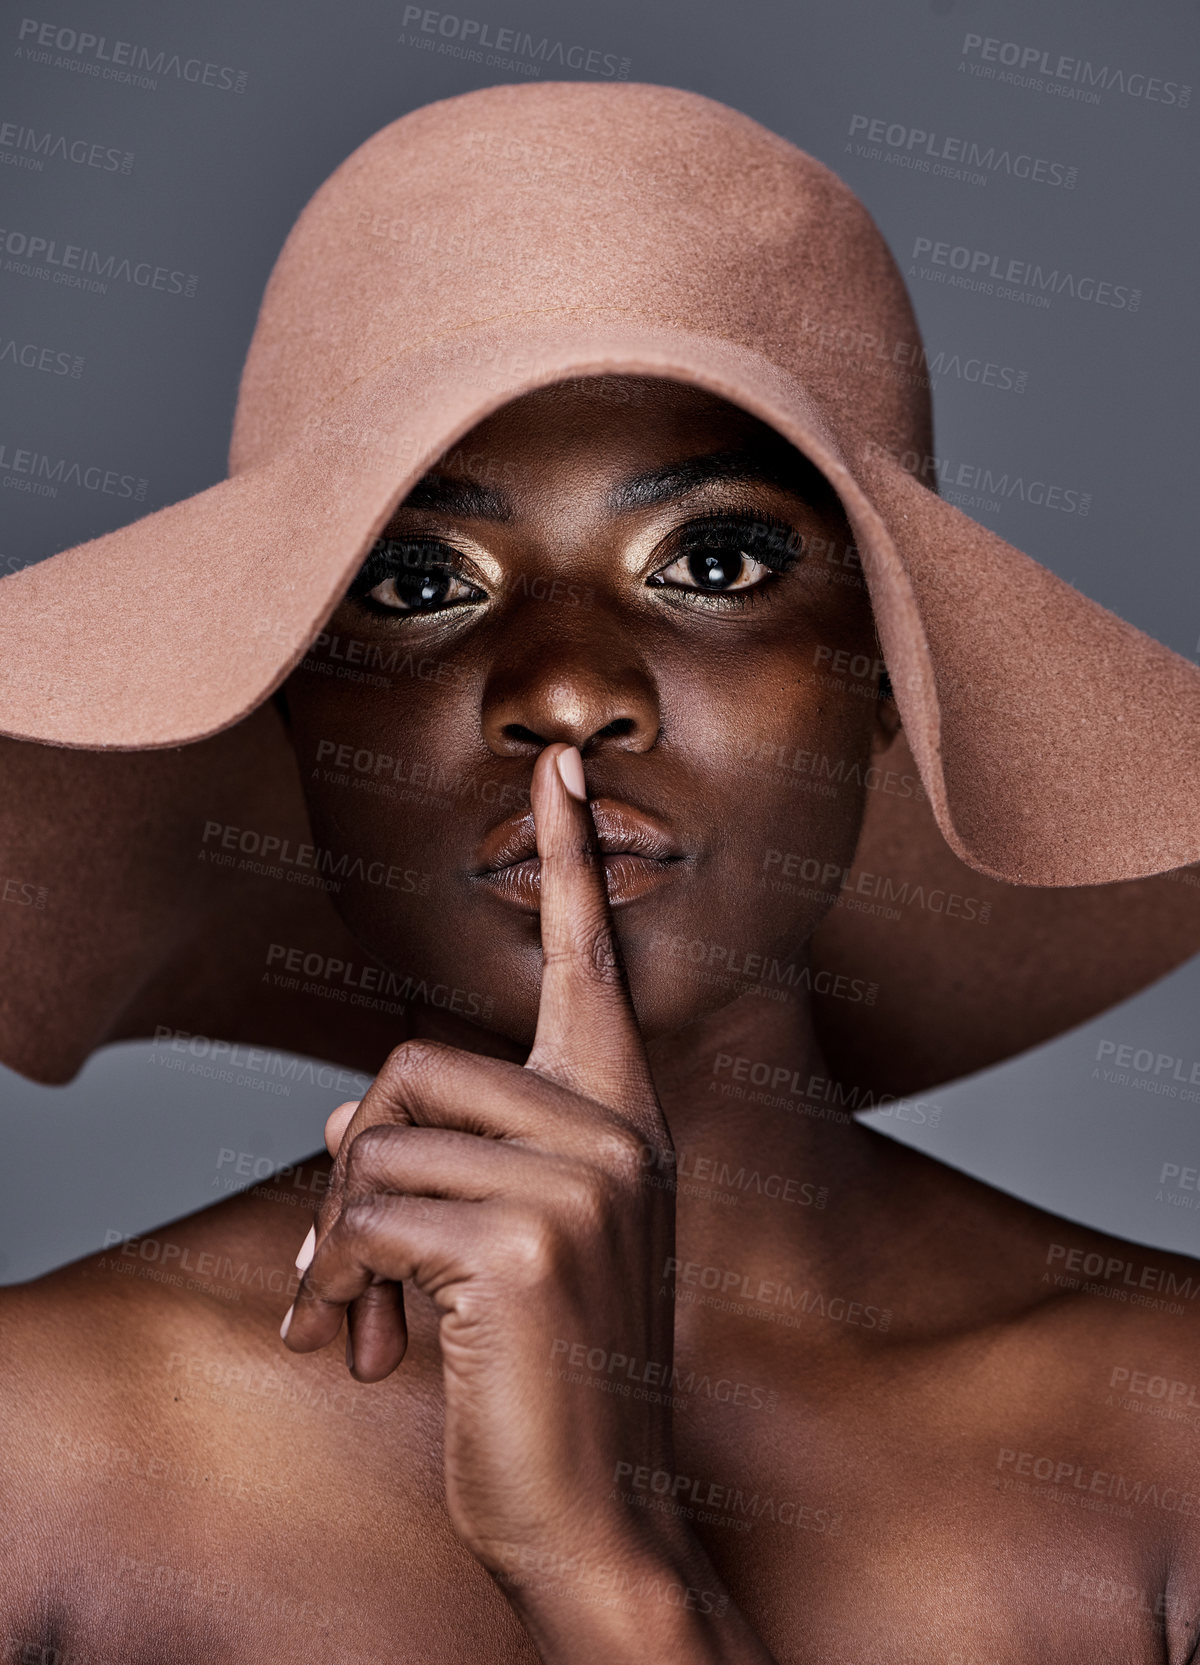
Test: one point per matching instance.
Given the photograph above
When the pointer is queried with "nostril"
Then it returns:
(525, 736)
(616, 730)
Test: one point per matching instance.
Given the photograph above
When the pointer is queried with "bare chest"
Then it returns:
(270, 1512)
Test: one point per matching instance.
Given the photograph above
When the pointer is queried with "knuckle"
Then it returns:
(369, 1152)
(599, 947)
(320, 1283)
(535, 1249)
(623, 1151)
(412, 1060)
(587, 1198)
(361, 1220)
(590, 946)
(320, 1292)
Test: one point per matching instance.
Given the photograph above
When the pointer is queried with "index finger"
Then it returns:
(587, 1034)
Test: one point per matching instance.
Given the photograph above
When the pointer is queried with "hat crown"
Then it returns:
(614, 202)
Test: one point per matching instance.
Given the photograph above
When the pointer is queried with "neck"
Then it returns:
(765, 1153)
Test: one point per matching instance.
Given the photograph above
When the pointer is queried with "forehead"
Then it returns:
(637, 441)
(603, 409)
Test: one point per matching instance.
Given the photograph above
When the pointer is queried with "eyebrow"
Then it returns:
(452, 496)
(784, 467)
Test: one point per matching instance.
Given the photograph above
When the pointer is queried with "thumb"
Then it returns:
(337, 1124)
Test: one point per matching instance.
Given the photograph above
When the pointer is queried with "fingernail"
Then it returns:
(304, 1258)
(349, 1351)
(570, 769)
(287, 1318)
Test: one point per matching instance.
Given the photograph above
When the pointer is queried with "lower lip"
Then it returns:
(626, 876)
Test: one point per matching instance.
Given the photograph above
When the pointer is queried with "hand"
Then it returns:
(514, 1198)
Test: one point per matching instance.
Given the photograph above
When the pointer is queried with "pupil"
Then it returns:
(713, 570)
(422, 589)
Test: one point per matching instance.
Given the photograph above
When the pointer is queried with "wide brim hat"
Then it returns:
(1033, 826)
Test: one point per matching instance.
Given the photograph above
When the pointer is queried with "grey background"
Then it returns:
(217, 178)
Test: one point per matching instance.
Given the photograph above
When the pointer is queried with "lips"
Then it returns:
(639, 854)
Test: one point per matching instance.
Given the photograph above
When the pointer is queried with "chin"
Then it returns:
(471, 966)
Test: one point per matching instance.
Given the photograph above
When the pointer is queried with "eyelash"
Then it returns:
(391, 558)
(763, 539)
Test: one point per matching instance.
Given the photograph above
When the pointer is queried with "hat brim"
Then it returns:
(1054, 740)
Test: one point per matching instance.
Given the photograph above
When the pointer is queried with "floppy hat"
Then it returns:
(477, 249)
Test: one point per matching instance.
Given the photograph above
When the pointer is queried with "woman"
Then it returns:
(682, 1370)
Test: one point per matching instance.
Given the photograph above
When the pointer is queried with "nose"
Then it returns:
(586, 689)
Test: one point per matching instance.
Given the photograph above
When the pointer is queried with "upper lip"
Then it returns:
(620, 830)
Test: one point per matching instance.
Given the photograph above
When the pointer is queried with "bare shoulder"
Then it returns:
(1111, 1352)
(95, 1362)
(170, 1469)
(60, 1358)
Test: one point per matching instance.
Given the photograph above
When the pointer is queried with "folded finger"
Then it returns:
(376, 1331)
(384, 1237)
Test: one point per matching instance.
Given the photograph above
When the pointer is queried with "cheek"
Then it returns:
(383, 781)
(397, 804)
(783, 741)
(776, 762)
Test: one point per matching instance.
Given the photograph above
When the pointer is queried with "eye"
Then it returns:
(712, 569)
(404, 576)
(729, 556)
(423, 592)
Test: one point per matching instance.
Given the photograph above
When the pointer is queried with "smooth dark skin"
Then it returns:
(179, 1483)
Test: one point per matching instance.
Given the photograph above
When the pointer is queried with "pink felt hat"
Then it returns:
(475, 250)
